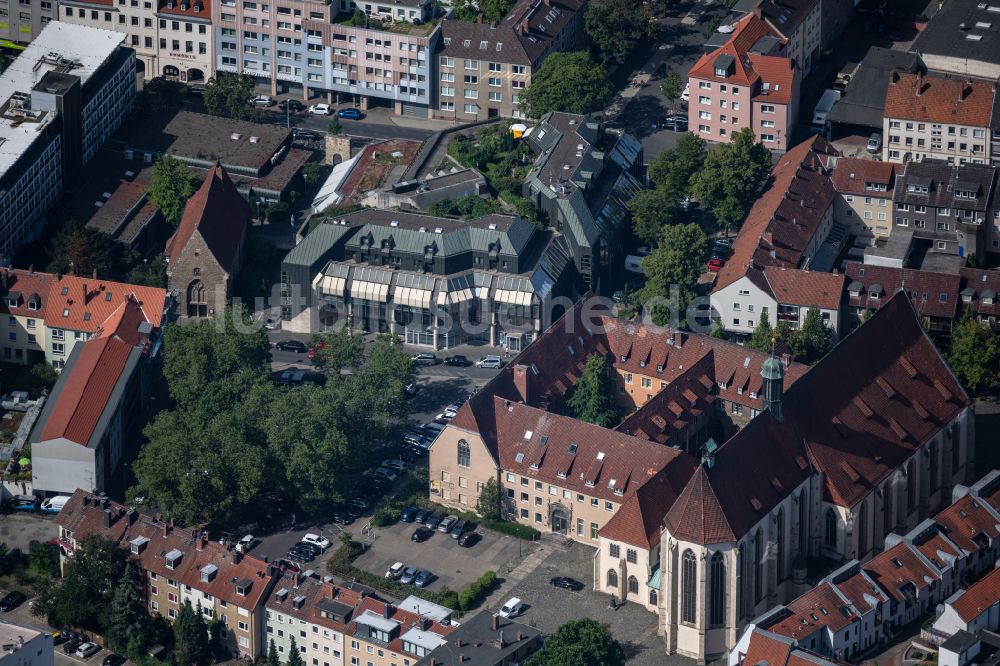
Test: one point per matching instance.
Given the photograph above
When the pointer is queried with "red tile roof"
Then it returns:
(639, 520)
(923, 288)
(791, 286)
(26, 284)
(937, 548)
(698, 515)
(859, 589)
(406, 620)
(84, 304)
(851, 174)
(779, 75)
(819, 608)
(772, 649)
(219, 214)
(939, 99)
(986, 285)
(786, 217)
(194, 9)
(969, 523)
(979, 597)
(897, 568)
(747, 31)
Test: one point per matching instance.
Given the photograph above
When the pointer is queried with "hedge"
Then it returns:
(385, 517)
(513, 529)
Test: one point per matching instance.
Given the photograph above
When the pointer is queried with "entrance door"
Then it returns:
(559, 521)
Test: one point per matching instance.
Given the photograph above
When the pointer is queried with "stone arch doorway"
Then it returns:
(140, 67)
(559, 520)
(197, 299)
(195, 75)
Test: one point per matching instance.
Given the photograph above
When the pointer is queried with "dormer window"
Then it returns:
(722, 385)
(642, 364)
(659, 368)
(208, 573)
(243, 587)
(719, 71)
(173, 558)
(624, 358)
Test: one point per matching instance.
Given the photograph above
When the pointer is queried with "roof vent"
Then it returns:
(492, 226)
(423, 230)
(438, 230)
(235, 136)
(255, 139)
(394, 223)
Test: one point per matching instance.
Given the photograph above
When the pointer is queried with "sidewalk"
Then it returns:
(515, 576)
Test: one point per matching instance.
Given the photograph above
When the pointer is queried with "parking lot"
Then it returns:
(454, 567)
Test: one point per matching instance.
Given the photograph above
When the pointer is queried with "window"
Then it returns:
(689, 581)
(767, 108)
(633, 585)
(717, 591)
(612, 578)
(614, 550)
(632, 555)
(593, 531)
(464, 454)
(830, 529)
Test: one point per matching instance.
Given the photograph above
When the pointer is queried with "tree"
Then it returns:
(570, 82)
(191, 644)
(593, 395)
(615, 26)
(334, 127)
(813, 340)
(672, 86)
(675, 169)
(44, 559)
(80, 250)
(488, 504)
(83, 596)
(651, 211)
(229, 95)
(672, 271)
(272, 655)
(294, 656)
(719, 330)
(311, 172)
(732, 176)
(170, 187)
(583, 642)
(974, 354)
(763, 335)
(128, 625)
(337, 350)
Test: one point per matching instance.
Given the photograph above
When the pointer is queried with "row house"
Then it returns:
(435, 282)
(172, 567)
(751, 81)
(483, 68)
(938, 117)
(171, 38)
(757, 645)
(868, 287)
(863, 604)
(486, 640)
(789, 485)
(798, 23)
(864, 196)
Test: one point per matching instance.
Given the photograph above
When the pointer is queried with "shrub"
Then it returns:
(277, 213)
(512, 529)
(385, 517)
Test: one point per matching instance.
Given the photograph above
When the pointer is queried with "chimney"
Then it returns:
(95, 273)
(524, 27)
(521, 381)
(166, 528)
(297, 579)
(86, 498)
(85, 292)
(894, 78)
(966, 91)
(678, 339)
(107, 518)
(238, 557)
(495, 622)
(200, 541)
(133, 516)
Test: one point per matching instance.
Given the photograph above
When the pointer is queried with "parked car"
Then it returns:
(434, 520)
(311, 547)
(469, 539)
(458, 361)
(23, 503)
(714, 264)
(686, 95)
(287, 565)
(408, 575)
(322, 542)
(447, 524)
(292, 105)
(396, 464)
(342, 517)
(71, 645)
(262, 100)
(306, 134)
(350, 114)
(424, 359)
(408, 515)
(113, 660)
(247, 542)
(494, 362)
(566, 583)
(421, 516)
(458, 529)
(87, 649)
(360, 502)
(12, 600)
(875, 142)
(59, 637)
(444, 418)
(320, 109)
(675, 123)
(272, 323)
(386, 474)
(423, 578)
(421, 534)
(512, 608)
(300, 554)
(395, 571)
(294, 346)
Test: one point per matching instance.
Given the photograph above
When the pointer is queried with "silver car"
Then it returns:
(447, 524)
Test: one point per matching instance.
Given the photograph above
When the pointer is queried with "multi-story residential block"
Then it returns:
(486, 640)
(864, 196)
(482, 69)
(171, 38)
(949, 210)
(583, 178)
(61, 99)
(751, 81)
(817, 495)
(863, 605)
(433, 281)
(961, 40)
(173, 566)
(94, 415)
(25, 646)
(798, 23)
(938, 117)
(26, 20)
(48, 314)
(933, 294)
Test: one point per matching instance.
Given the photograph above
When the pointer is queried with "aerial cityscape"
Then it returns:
(500, 332)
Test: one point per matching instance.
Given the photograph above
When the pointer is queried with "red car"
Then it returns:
(311, 354)
(714, 265)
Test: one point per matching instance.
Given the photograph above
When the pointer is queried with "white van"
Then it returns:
(633, 264)
(489, 362)
(54, 504)
(512, 608)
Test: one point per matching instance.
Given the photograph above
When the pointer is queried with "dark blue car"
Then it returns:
(350, 114)
(408, 514)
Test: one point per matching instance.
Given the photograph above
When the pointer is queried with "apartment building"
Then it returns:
(751, 81)
(961, 40)
(938, 117)
(174, 566)
(435, 282)
(25, 20)
(951, 210)
(798, 23)
(483, 68)
(934, 294)
(172, 39)
(67, 92)
(486, 639)
(864, 196)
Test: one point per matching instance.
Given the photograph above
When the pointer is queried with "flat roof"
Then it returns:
(60, 48)
(9, 633)
(963, 30)
(424, 608)
(863, 101)
(370, 619)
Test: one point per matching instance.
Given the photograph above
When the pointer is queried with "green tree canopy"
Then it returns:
(652, 210)
(675, 264)
(615, 26)
(272, 655)
(129, 625)
(229, 95)
(672, 86)
(763, 335)
(583, 642)
(488, 504)
(676, 168)
(593, 395)
(170, 187)
(732, 177)
(191, 644)
(813, 340)
(974, 355)
(294, 656)
(570, 82)
(82, 598)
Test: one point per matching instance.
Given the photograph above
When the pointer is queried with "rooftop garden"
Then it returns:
(361, 20)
